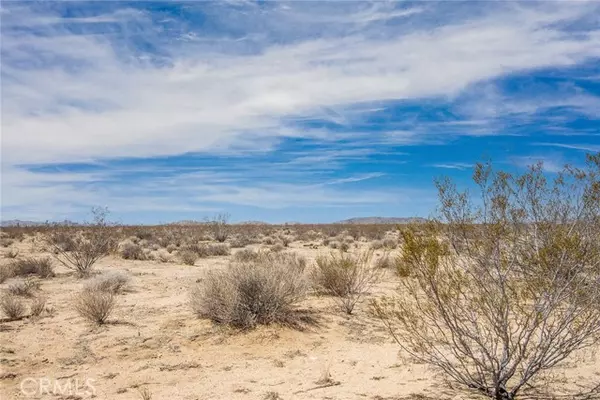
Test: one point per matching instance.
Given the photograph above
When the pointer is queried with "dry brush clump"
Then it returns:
(245, 294)
(85, 247)
(12, 306)
(346, 276)
(129, 250)
(94, 305)
(24, 288)
(112, 282)
(504, 290)
(41, 267)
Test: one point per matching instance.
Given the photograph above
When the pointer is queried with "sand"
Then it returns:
(154, 341)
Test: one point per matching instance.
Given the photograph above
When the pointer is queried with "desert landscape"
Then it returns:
(293, 200)
(154, 346)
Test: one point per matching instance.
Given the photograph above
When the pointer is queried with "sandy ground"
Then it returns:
(153, 340)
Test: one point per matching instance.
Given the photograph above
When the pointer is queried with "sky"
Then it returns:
(299, 111)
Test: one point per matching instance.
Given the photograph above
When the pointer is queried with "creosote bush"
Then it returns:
(261, 291)
(94, 305)
(348, 277)
(506, 289)
(86, 246)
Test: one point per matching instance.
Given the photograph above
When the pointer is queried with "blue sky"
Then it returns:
(275, 111)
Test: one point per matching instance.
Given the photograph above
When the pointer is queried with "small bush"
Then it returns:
(94, 305)
(12, 307)
(345, 276)
(390, 243)
(38, 305)
(246, 255)
(250, 293)
(218, 249)
(86, 247)
(385, 262)
(188, 257)
(277, 247)
(377, 244)
(41, 267)
(240, 241)
(163, 256)
(131, 251)
(114, 282)
(268, 240)
(24, 288)
(171, 248)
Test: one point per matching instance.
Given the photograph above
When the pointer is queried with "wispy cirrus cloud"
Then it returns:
(101, 82)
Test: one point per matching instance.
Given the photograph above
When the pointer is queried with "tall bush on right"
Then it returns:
(505, 284)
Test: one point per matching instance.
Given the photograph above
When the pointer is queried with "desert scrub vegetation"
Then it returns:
(131, 251)
(112, 282)
(24, 288)
(83, 248)
(12, 306)
(347, 277)
(219, 227)
(94, 305)
(260, 291)
(507, 287)
(24, 267)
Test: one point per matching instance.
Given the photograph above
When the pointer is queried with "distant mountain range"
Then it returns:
(18, 222)
(382, 220)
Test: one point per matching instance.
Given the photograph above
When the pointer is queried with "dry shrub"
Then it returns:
(163, 256)
(385, 262)
(219, 226)
(86, 247)
(41, 267)
(240, 241)
(218, 249)
(131, 251)
(286, 240)
(247, 255)
(377, 244)
(277, 247)
(188, 257)
(171, 248)
(94, 305)
(390, 243)
(246, 294)
(24, 288)
(38, 305)
(348, 277)
(113, 282)
(12, 306)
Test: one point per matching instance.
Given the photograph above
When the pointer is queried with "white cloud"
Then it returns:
(93, 96)
(112, 106)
